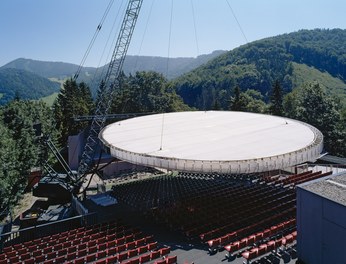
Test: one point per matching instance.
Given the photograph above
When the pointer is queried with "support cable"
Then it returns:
(195, 28)
(104, 49)
(169, 38)
(98, 29)
(144, 33)
(235, 17)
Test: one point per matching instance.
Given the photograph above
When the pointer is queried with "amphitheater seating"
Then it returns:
(268, 247)
(212, 207)
(106, 243)
(265, 234)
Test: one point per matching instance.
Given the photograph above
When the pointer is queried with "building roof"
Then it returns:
(332, 188)
(213, 141)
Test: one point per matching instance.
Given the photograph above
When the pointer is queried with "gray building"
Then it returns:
(321, 221)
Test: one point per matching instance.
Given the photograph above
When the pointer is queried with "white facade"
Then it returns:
(213, 141)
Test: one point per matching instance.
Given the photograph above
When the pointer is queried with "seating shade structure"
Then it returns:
(213, 141)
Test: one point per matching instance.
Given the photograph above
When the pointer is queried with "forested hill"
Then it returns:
(132, 64)
(258, 64)
(24, 85)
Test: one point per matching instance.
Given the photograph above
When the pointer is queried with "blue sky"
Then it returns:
(60, 30)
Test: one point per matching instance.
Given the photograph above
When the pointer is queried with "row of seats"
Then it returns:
(106, 243)
(298, 178)
(279, 179)
(269, 247)
(267, 233)
(311, 177)
(219, 242)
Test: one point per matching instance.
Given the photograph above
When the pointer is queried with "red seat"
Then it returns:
(224, 240)
(140, 242)
(60, 259)
(294, 234)
(120, 241)
(111, 237)
(161, 261)
(243, 243)
(262, 249)
(40, 259)
(271, 245)
(110, 244)
(91, 257)
(214, 243)
(289, 239)
(25, 256)
(266, 233)
(251, 240)
(259, 236)
(121, 248)
(152, 246)
(47, 250)
(102, 246)
(249, 255)
(154, 255)
(149, 239)
(51, 255)
(14, 259)
(91, 243)
(28, 261)
(171, 260)
(71, 256)
(122, 256)
(144, 258)
(22, 251)
(112, 259)
(82, 246)
(101, 240)
(129, 238)
(66, 244)
(72, 249)
(142, 250)
(79, 260)
(165, 251)
(101, 254)
(17, 246)
(111, 251)
(232, 247)
(57, 247)
(130, 245)
(82, 253)
(62, 252)
(131, 253)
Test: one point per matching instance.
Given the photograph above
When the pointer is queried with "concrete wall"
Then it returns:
(321, 225)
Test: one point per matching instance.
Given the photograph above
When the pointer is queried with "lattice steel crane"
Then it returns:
(55, 185)
(111, 83)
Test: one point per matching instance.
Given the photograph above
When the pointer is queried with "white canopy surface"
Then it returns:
(213, 141)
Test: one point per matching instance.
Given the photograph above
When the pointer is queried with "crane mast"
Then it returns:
(112, 82)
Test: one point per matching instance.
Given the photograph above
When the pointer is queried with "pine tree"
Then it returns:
(276, 100)
(236, 104)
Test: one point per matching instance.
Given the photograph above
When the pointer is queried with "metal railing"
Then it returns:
(34, 232)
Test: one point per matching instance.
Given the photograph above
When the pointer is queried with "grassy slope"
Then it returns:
(49, 100)
(334, 86)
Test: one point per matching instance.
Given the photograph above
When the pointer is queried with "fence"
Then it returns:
(31, 233)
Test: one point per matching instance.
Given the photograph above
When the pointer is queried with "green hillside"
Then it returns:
(92, 76)
(304, 74)
(259, 64)
(25, 85)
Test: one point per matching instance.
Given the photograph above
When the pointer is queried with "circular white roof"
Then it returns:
(213, 141)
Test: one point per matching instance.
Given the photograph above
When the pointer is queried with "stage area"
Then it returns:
(213, 141)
